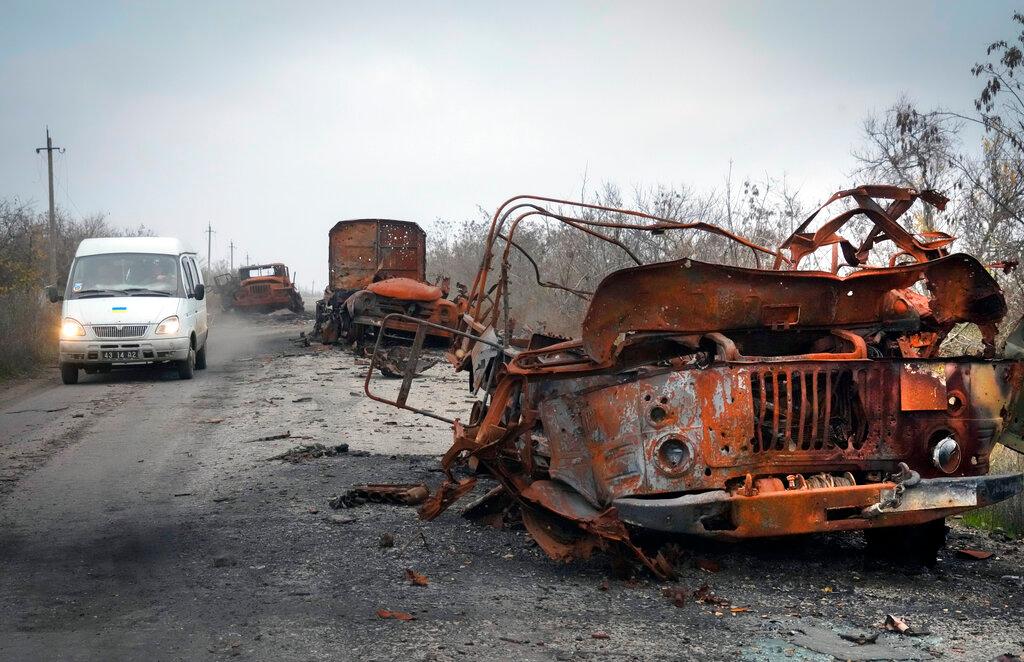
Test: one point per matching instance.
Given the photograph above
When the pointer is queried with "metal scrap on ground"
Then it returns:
(406, 495)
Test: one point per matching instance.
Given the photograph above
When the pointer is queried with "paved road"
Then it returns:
(96, 545)
(139, 519)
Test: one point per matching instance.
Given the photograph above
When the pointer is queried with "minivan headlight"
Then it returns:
(168, 326)
(70, 328)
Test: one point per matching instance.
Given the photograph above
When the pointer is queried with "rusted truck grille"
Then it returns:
(259, 288)
(808, 409)
(111, 331)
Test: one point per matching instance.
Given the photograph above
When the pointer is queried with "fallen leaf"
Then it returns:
(213, 421)
(739, 610)
(415, 578)
(397, 615)
(707, 565)
(604, 585)
(973, 554)
(600, 634)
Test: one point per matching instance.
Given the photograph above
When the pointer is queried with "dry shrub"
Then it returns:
(28, 321)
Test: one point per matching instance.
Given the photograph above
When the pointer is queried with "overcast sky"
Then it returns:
(274, 120)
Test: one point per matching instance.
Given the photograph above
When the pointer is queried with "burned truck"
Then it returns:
(259, 288)
(735, 402)
(377, 267)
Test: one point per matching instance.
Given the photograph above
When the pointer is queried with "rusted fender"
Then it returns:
(405, 289)
(688, 297)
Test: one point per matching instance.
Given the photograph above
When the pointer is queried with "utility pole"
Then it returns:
(232, 247)
(246, 259)
(53, 218)
(209, 236)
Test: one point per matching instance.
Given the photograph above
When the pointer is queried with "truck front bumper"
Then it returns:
(719, 514)
(150, 350)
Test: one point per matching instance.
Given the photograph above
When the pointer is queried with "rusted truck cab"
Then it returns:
(378, 267)
(260, 288)
(735, 402)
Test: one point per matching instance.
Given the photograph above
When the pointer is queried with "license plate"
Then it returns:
(120, 355)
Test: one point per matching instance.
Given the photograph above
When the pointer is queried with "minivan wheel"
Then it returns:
(201, 358)
(187, 367)
(69, 373)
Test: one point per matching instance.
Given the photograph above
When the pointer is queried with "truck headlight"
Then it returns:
(70, 328)
(168, 326)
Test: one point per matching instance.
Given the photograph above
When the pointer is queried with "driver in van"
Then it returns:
(153, 275)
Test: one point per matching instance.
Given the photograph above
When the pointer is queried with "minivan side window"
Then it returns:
(196, 270)
(190, 285)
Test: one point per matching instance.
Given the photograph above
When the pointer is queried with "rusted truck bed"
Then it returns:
(378, 267)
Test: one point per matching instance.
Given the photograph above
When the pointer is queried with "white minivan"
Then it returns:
(132, 300)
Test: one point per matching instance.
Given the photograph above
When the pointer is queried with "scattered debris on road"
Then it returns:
(404, 494)
(415, 578)
(307, 452)
(397, 615)
(896, 624)
(272, 437)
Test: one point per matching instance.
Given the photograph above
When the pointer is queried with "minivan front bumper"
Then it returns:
(151, 350)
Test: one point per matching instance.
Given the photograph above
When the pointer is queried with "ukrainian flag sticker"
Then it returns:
(119, 309)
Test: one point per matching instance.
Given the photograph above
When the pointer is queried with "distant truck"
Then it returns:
(259, 288)
(377, 267)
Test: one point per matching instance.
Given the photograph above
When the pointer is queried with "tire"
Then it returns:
(201, 357)
(187, 368)
(915, 544)
(68, 373)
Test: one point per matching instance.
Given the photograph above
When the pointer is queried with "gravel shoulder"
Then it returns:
(152, 525)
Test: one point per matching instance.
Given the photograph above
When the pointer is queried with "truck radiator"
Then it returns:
(807, 409)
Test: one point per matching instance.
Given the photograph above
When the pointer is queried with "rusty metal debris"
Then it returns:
(406, 495)
(378, 267)
(734, 402)
(259, 288)
(307, 452)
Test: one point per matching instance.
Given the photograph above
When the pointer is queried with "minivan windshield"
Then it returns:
(124, 274)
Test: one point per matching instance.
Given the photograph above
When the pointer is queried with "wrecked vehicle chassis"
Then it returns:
(732, 402)
(768, 450)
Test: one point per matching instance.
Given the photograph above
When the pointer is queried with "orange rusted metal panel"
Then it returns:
(405, 289)
(366, 250)
(923, 387)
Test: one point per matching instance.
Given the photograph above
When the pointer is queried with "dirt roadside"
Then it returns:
(153, 526)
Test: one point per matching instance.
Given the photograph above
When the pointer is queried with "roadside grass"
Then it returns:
(29, 328)
(1008, 515)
